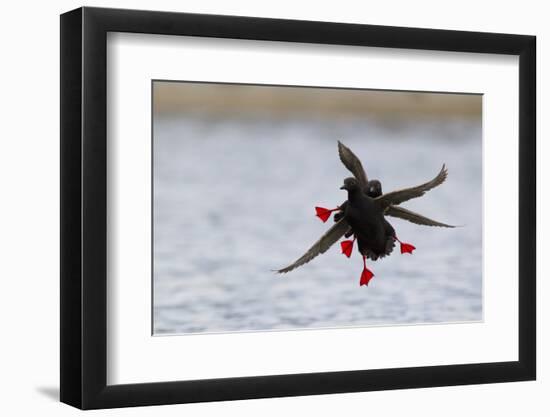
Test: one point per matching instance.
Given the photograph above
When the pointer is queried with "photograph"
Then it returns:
(279, 208)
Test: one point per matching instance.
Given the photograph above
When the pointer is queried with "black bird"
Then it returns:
(375, 236)
(373, 188)
(386, 203)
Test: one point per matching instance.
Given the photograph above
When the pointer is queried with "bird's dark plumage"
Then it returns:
(353, 164)
(321, 246)
(375, 235)
(373, 188)
(403, 213)
(400, 196)
(363, 215)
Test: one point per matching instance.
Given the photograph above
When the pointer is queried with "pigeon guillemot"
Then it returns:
(365, 219)
(375, 236)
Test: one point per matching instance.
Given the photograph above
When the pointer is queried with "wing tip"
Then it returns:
(282, 270)
(341, 149)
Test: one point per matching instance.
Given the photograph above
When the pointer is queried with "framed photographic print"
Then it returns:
(258, 208)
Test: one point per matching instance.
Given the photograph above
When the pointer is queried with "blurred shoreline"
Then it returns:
(172, 98)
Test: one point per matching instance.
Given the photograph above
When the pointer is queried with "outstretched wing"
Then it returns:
(321, 246)
(353, 164)
(400, 196)
(413, 217)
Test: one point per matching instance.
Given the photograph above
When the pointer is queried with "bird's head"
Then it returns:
(350, 184)
(374, 188)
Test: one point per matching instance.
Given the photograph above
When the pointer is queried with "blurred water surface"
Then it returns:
(234, 198)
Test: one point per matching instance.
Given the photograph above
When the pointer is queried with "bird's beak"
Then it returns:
(343, 187)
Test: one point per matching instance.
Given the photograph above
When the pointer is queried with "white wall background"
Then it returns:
(29, 226)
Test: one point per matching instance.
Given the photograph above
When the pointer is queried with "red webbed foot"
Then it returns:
(323, 213)
(366, 275)
(405, 247)
(347, 247)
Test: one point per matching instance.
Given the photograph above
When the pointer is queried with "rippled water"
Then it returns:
(233, 200)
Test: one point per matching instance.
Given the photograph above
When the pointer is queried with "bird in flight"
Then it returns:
(362, 215)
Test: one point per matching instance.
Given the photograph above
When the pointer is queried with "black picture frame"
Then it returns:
(84, 207)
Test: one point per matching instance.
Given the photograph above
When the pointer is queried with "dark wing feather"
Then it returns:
(353, 164)
(413, 217)
(400, 196)
(321, 246)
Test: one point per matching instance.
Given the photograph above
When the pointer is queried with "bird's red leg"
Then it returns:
(366, 275)
(347, 246)
(323, 213)
(405, 247)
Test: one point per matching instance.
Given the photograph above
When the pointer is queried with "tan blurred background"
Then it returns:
(177, 97)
